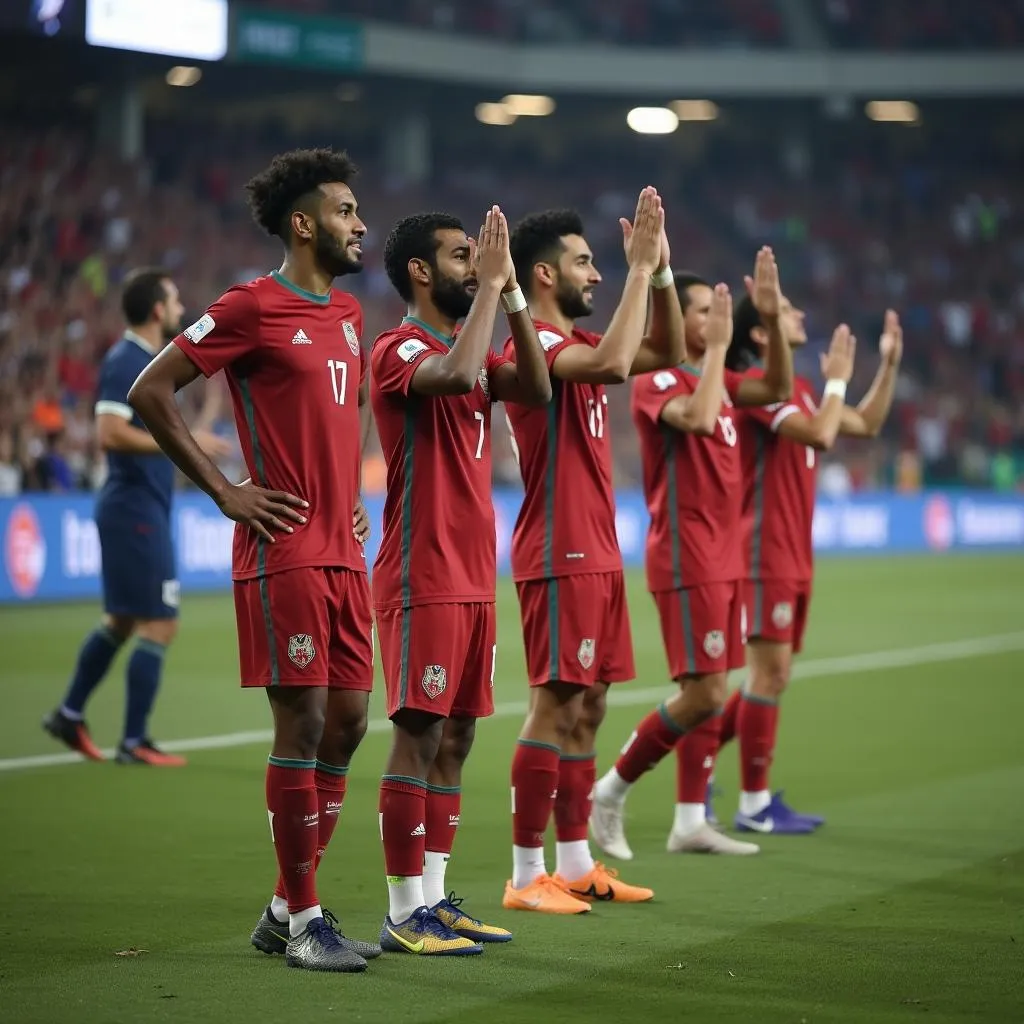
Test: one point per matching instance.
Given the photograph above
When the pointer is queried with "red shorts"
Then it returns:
(306, 627)
(439, 658)
(777, 610)
(702, 628)
(576, 629)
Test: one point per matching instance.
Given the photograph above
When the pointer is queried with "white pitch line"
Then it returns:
(900, 657)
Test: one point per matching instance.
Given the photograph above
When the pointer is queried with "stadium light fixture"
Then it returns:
(494, 113)
(695, 110)
(183, 76)
(652, 120)
(526, 105)
(897, 111)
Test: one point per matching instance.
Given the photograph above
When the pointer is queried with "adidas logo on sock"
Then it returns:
(419, 830)
(301, 338)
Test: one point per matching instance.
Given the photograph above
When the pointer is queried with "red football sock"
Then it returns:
(292, 803)
(655, 736)
(695, 761)
(403, 825)
(576, 776)
(443, 810)
(534, 782)
(729, 716)
(757, 726)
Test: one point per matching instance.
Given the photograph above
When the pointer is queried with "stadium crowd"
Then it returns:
(941, 246)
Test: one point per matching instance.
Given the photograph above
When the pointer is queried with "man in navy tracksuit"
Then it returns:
(133, 516)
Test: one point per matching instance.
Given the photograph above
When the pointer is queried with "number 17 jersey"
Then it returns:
(566, 524)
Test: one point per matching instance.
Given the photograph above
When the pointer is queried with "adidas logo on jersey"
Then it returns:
(301, 338)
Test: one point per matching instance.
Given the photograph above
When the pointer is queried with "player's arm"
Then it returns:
(867, 418)
(777, 383)
(820, 430)
(115, 434)
(611, 360)
(525, 381)
(456, 372)
(664, 345)
(697, 413)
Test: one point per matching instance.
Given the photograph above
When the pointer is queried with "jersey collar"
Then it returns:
(445, 339)
(140, 341)
(320, 300)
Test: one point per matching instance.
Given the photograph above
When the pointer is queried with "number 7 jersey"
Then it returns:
(438, 543)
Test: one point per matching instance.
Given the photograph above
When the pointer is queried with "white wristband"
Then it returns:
(513, 301)
(663, 278)
(837, 388)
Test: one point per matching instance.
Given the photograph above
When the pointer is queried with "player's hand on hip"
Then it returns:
(837, 362)
(764, 288)
(890, 345)
(718, 331)
(213, 447)
(361, 523)
(263, 510)
(642, 240)
(493, 256)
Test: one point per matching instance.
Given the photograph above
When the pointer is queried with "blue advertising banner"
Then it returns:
(50, 548)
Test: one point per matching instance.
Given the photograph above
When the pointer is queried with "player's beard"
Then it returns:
(333, 254)
(450, 297)
(572, 302)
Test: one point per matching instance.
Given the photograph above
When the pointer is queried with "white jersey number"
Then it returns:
(339, 379)
(728, 430)
(596, 415)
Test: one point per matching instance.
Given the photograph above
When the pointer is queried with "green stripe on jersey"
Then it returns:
(672, 483)
(320, 300)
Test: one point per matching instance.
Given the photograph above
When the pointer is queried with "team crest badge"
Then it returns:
(300, 649)
(585, 655)
(782, 615)
(434, 681)
(714, 644)
(350, 336)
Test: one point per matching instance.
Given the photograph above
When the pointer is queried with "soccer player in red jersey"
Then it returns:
(565, 554)
(434, 578)
(289, 345)
(779, 445)
(695, 565)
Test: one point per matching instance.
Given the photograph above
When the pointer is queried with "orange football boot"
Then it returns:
(543, 895)
(603, 885)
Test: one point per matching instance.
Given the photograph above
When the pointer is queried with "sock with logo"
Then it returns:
(94, 660)
(655, 736)
(756, 726)
(695, 761)
(330, 783)
(403, 831)
(730, 716)
(444, 806)
(294, 824)
(534, 785)
(143, 680)
(576, 779)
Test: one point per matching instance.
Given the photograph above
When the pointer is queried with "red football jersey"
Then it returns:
(438, 544)
(778, 498)
(566, 524)
(293, 366)
(693, 486)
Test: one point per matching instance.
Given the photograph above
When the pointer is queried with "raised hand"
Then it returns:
(493, 257)
(763, 288)
(642, 239)
(837, 362)
(718, 331)
(262, 510)
(361, 523)
(890, 345)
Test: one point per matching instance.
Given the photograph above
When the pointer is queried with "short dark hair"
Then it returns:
(290, 181)
(684, 281)
(415, 238)
(143, 288)
(743, 351)
(537, 238)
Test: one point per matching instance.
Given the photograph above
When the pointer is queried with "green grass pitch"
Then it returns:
(904, 728)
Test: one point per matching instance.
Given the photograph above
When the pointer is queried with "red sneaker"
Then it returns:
(147, 752)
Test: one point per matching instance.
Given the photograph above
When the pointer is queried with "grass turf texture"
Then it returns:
(909, 904)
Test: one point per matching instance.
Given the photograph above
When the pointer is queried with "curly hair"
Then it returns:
(537, 238)
(743, 351)
(414, 238)
(288, 183)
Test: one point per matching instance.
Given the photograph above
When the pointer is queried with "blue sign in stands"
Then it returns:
(50, 550)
